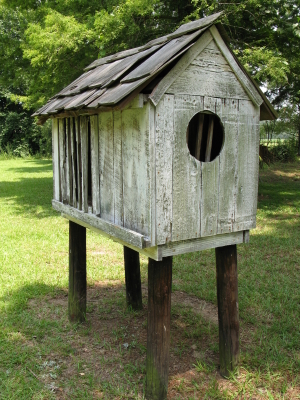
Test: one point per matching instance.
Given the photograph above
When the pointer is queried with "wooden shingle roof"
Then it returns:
(108, 81)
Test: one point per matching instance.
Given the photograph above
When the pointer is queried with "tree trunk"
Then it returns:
(159, 321)
(228, 313)
(133, 279)
(77, 272)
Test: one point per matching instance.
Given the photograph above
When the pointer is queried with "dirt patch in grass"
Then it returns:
(106, 355)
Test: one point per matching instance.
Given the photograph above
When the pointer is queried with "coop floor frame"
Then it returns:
(142, 243)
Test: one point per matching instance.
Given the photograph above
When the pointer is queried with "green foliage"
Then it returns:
(284, 150)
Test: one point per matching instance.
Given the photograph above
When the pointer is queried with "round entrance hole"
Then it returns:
(205, 136)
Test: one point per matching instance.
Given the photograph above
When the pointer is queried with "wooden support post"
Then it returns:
(159, 321)
(228, 312)
(77, 272)
(133, 279)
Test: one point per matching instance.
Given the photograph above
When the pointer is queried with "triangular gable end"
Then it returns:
(210, 39)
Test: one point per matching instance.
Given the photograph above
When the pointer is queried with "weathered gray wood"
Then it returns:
(209, 197)
(206, 75)
(74, 161)
(227, 109)
(111, 230)
(164, 168)
(118, 170)
(152, 162)
(79, 99)
(248, 164)
(198, 24)
(95, 164)
(79, 164)
(77, 273)
(199, 136)
(136, 176)
(84, 161)
(186, 174)
(62, 159)
(106, 165)
(159, 58)
(228, 311)
(68, 162)
(55, 160)
(209, 138)
(243, 78)
(133, 279)
(158, 328)
(182, 64)
(209, 242)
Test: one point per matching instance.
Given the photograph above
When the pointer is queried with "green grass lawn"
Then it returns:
(43, 356)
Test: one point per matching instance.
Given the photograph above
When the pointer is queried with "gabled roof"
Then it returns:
(108, 81)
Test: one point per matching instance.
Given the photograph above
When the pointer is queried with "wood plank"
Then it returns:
(106, 165)
(95, 164)
(182, 64)
(161, 56)
(115, 232)
(152, 167)
(241, 76)
(227, 109)
(68, 161)
(228, 310)
(209, 74)
(79, 99)
(158, 328)
(209, 197)
(186, 175)
(164, 168)
(248, 164)
(74, 161)
(199, 136)
(55, 160)
(209, 138)
(199, 244)
(199, 23)
(84, 161)
(77, 273)
(136, 170)
(118, 169)
(62, 159)
(133, 279)
(79, 164)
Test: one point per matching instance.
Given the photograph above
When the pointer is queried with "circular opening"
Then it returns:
(205, 136)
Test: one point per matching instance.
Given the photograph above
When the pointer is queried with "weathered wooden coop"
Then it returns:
(157, 147)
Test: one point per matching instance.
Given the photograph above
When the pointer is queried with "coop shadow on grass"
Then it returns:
(35, 166)
(107, 353)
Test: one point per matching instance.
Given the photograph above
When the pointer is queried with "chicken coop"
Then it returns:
(157, 147)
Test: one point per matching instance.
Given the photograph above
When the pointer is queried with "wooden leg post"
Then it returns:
(228, 312)
(133, 279)
(77, 272)
(159, 321)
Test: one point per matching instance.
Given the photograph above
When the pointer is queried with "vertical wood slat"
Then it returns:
(164, 168)
(95, 164)
(62, 159)
(209, 138)
(152, 181)
(79, 171)
(68, 163)
(228, 315)
(84, 161)
(199, 136)
(77, 272)
(74, 161)
(118, 169)
(227, 109)
(158, 327)
(106, 165)
(55, 160)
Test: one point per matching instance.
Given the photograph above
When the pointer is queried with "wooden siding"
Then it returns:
(117, 184)
(207, 198)
(209, 74)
